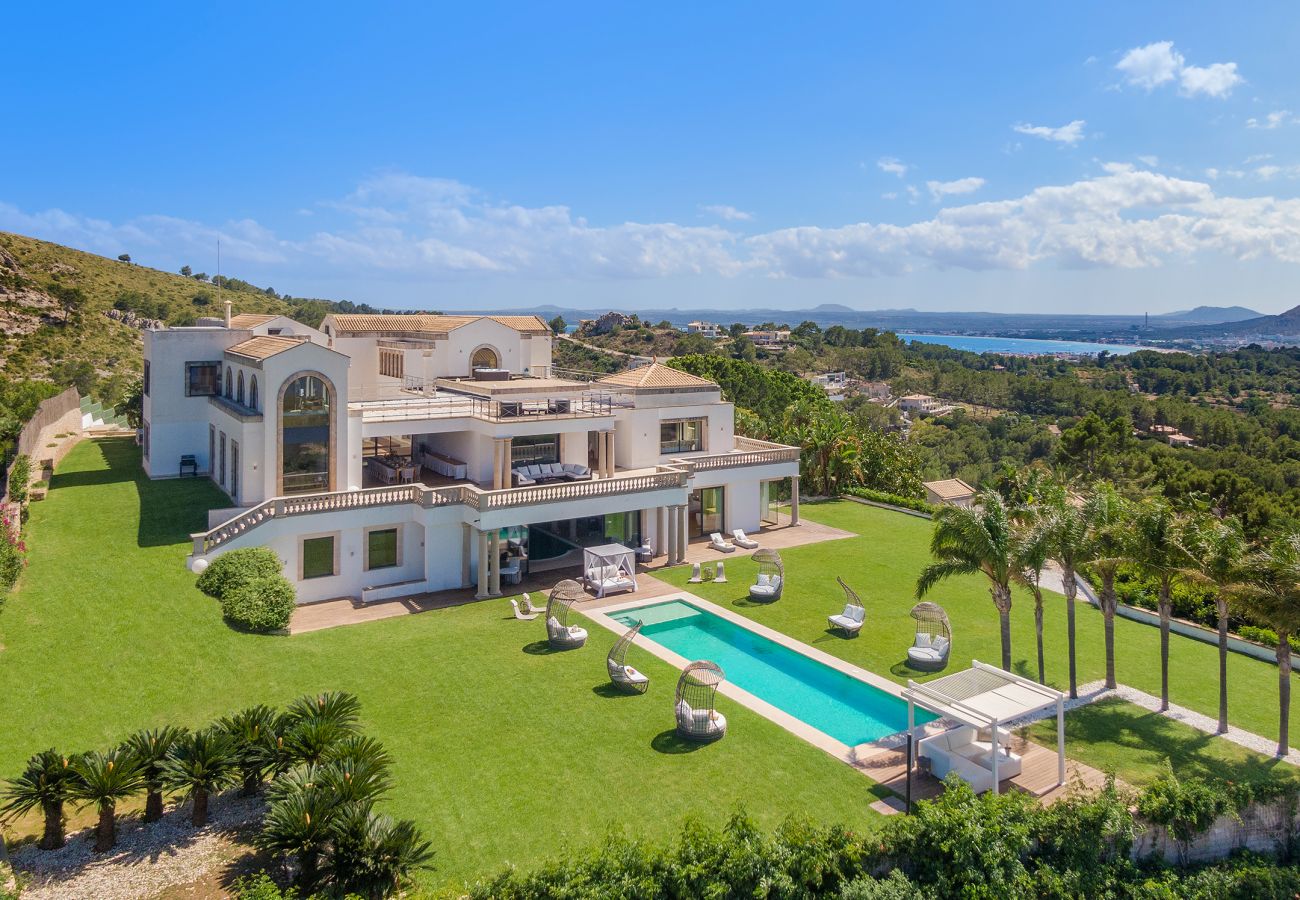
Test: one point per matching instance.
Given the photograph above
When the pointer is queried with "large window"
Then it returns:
(202, 379)
(681, 436)
(145, 387)
(145, 437)
(318, 557)
(221, 471)
(239, 388)
(535, 449)
(305, 432)
(252, 392)
(230, 384)
(234, 471)
(381, 549)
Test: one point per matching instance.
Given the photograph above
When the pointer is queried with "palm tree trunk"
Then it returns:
(1002, 598)
(199, 816)
(1038, 631)
(53, 838)
(1165, 612)
(1108, 618)
(252, 781)
(1071, 588)
(153, 806)
(1284, 692)
(1222, 605)
(106, 829)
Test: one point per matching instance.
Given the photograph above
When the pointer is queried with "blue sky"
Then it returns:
(1084, 157)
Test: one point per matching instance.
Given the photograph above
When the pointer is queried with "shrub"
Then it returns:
(890, 499)
(261, 605)
(1265, 636)
(19, 475)
(238, 567)
(261, 887)
(13, 553)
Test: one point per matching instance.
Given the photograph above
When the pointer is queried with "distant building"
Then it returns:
(1163, 430)
(1054, 429)
(770, 339)
(923, 403)
(1181, 440)
(874, 390)
(949, 492)
(708, 329)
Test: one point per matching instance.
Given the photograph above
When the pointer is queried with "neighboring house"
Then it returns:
(708, 329)
(392, 455)
(769, 339)
(833, 383)
(874, 390)
(950, 492)
(1181, 440)
(923, 403)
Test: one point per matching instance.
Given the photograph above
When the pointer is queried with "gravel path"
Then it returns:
(146, 860)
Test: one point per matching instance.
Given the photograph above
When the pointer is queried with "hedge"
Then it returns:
(891, 499)
(261, 605)
(238, 567)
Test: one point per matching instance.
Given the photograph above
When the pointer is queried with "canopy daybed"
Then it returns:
(697, 720)
(929, 652)
(609, 568)
(559, 632)
(623, 676)
(771, 575)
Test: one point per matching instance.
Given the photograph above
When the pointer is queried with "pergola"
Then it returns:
(985, 696)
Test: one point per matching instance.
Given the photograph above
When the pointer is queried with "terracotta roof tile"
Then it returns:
(249, 320)
(263, 347)
(949, 488)
(426, 323)
(657, 375)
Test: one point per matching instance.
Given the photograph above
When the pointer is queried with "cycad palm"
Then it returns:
(103, 779)
(1270, 592)
(151, 748)
(45, 784)
(249, 729)
(198, 766)
(371, 855)
(298, 824)
(976, 540)
(1159, 549)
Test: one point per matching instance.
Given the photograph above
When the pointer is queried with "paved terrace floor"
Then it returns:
(346, 611)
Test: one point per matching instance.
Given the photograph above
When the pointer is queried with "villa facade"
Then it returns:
(390, 455)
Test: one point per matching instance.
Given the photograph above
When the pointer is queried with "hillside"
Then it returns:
(1285, 324)
(1211, 315)
(75, 318)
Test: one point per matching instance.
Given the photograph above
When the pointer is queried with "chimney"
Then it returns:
(228, 305)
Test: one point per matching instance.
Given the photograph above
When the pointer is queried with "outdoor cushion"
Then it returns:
(764, 580)
(922, 640)
(940, 645)
(633, 675)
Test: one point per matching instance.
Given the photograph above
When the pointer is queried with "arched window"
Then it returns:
(484, 358)
(252, 392)
(305, 430)
(230, 383)
(239, 389)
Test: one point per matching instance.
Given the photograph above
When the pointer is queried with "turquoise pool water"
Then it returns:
(836, 704)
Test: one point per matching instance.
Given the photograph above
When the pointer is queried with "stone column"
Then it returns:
(670, 535)
(794, 499)
(507, 451)
(496, 464)
(683, 531)
(465, 554)
(482, 593)
(609, 454)
(494, 563)
(661, 537)
(601, 455)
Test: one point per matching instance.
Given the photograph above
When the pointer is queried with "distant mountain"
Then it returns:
(1211, 315)
(832, 308)
(1284, 325)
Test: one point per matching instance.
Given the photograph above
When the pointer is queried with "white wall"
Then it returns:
(636, 438)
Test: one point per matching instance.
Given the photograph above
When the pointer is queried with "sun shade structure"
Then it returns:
(624, 677)
(850, 621)
(981, 697)
(771, 575)
(559, 632)
(929, 652)
(609, 567)
(697, 720)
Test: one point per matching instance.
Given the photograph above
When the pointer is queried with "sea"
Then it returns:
(1021, 346)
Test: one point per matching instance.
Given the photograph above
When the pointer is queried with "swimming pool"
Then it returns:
(849, 710)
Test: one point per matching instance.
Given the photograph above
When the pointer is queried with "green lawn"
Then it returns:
(882, 563)
(503, 752)
(1139, 745)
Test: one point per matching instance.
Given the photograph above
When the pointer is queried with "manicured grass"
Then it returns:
(882, 564)
(1139, 746)
(503, 752)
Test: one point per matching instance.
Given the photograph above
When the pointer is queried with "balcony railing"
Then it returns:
(748, 452)
(421, 495)
(588, 405)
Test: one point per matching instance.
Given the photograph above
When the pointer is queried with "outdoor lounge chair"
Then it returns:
(521, 615)
(850, 621)
(929, 652)
(623, 676)
(771, 576)
(697, 720)
(742, 540)
(959, 750)
(560, 634)
(717, 542)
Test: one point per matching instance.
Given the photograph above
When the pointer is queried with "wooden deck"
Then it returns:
(1038, 770)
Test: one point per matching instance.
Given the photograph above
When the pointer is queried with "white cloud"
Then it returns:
(941, 189)
(1267, 172)
(1149, 160)
(1275, 119)
(727, 213)
(1070, 134)
(402, 228)
(1158, 63)
(889, 195)
(892, 166)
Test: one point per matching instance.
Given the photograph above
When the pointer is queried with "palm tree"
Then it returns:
(44, 784)
(1107, 514)
(249, 730)
(1270, 593)
(1159, 549)
(199, 765)
(978, 539)
(1218, 545)
(1069, 542)
(103, 779)
(151, 748)
(1031, 536)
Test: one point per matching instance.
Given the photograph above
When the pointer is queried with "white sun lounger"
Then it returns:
(743, 540)
(717, 542)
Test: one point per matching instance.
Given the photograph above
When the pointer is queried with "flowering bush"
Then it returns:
(13, 553)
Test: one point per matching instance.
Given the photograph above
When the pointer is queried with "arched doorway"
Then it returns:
(484, 358)
(306, 435)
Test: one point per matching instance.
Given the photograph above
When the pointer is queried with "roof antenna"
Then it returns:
(228, 303)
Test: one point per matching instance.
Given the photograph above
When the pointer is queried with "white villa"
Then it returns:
(385, 456)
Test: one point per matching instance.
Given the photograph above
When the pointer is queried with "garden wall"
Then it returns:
(59, 414)
(1261, 827)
